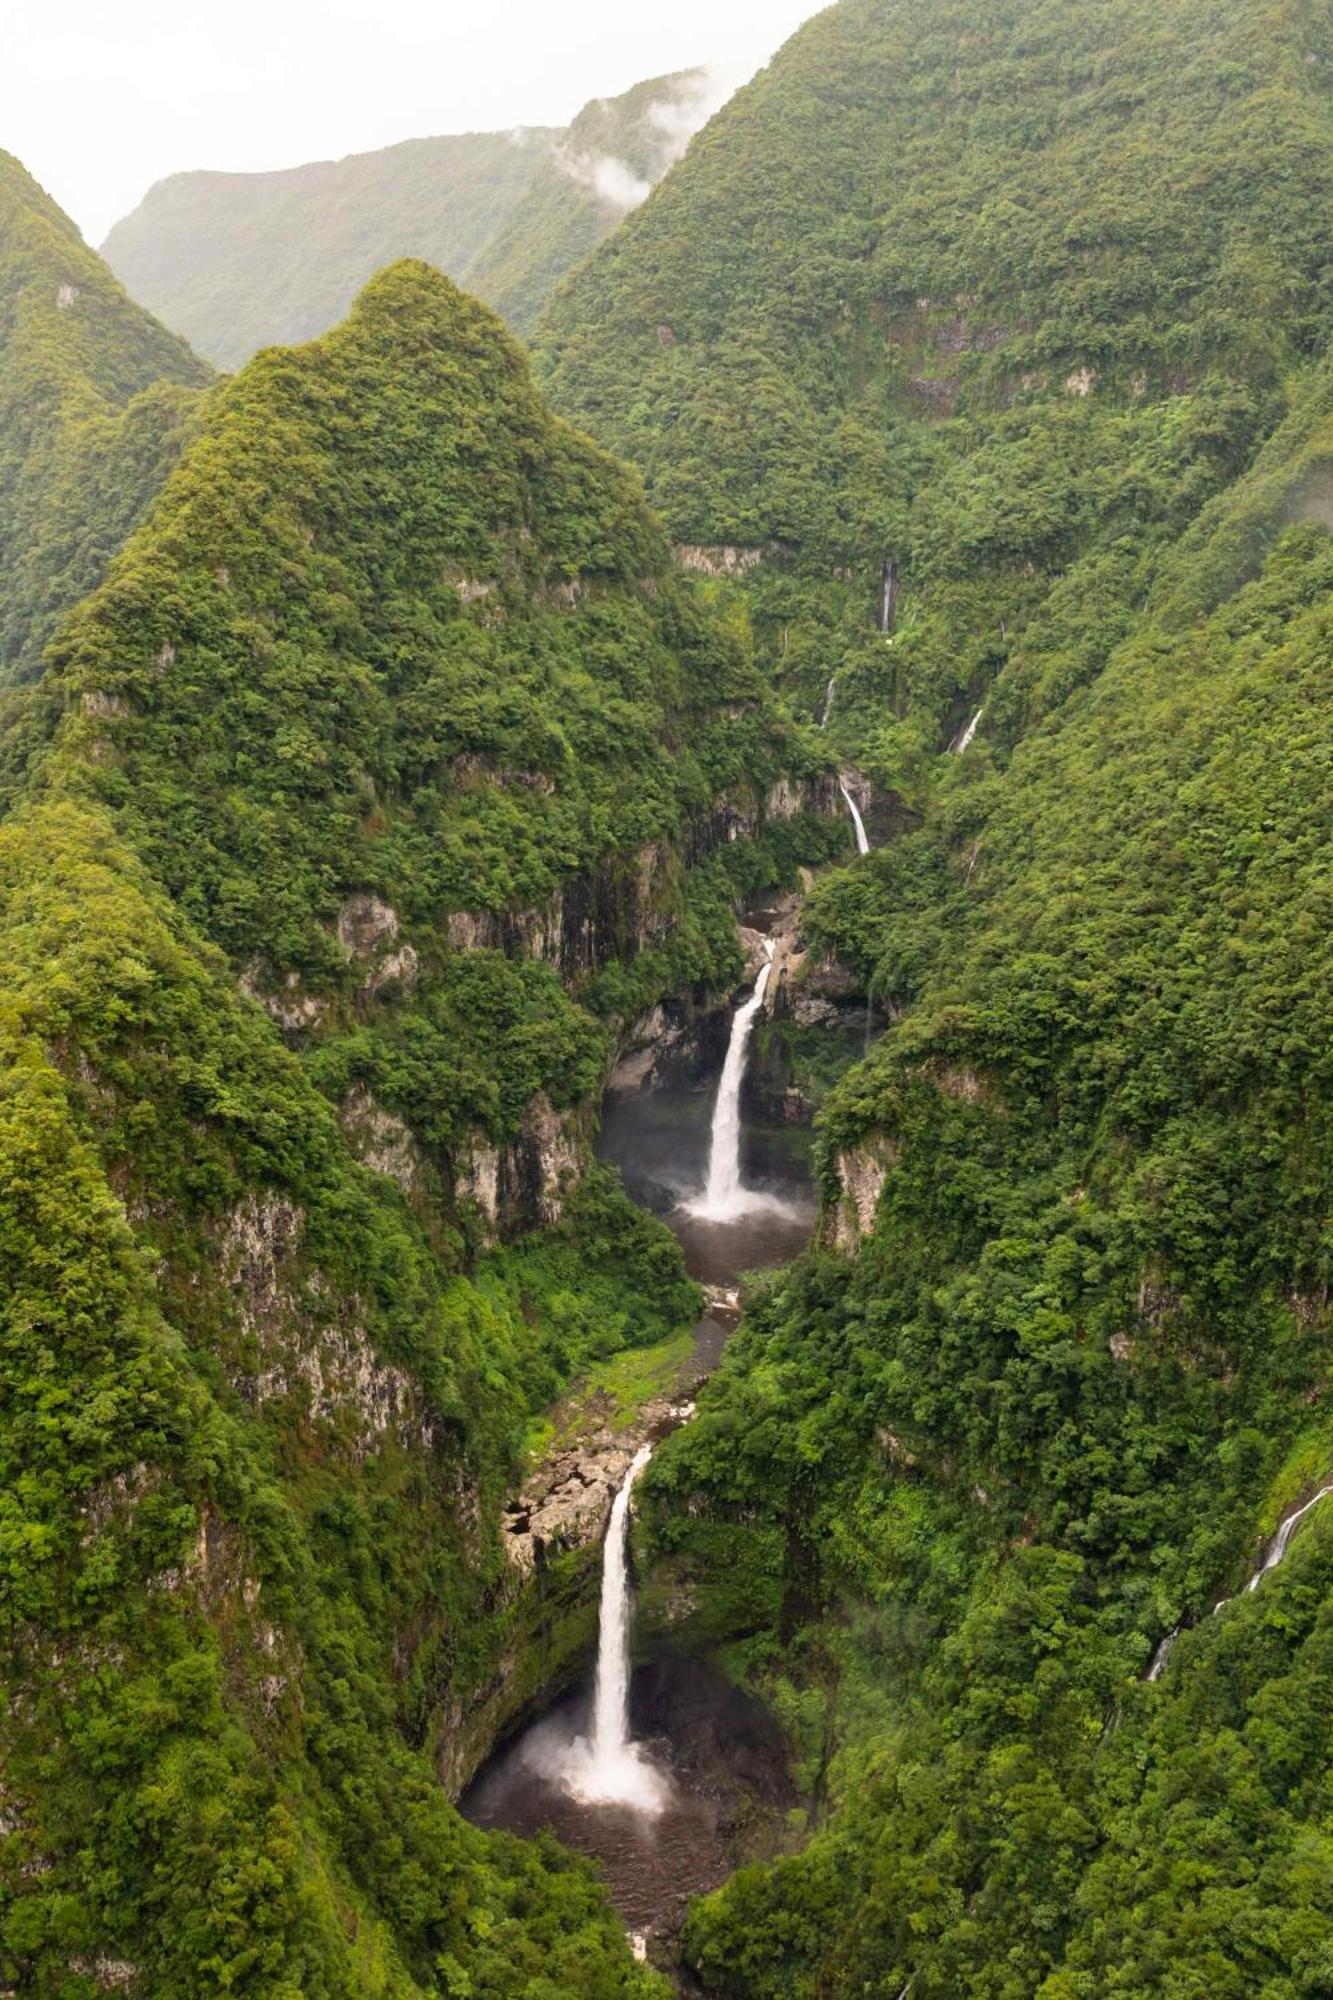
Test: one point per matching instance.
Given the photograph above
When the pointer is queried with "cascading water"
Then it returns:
(829, 693)
(964, 742)
(606, 1768)
(1277, 1548)
(862, 844)
(725, 1197)
(1273, 1555)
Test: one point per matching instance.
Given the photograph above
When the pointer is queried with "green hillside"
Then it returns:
(613, 152)
(1002, 297)
(242, 261)
(1034, 304)
(95, 399)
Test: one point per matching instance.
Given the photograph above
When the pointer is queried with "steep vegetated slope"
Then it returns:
(1000, 296)
(388, 770)
(239, 261)
(95, 399)
(1062, 1362)
(398, 695)
(608, 160)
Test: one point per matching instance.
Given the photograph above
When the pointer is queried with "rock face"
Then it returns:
(862, 1172)
(721, 558)
(293, 1009)
(566, 1503)
(526, 1183)
(382, 1140)
(368, 932)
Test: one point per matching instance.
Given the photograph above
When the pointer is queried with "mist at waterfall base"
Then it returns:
(646, 1787)
(736, 1189)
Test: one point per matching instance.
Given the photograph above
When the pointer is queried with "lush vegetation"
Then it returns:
(253, 1445)
(394, 652)
(392, 632)
(1078, 1368)
(1005, 295)
(240, 261)
(95, 400)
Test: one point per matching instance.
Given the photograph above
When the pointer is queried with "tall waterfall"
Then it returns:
(606, 1768)
(725, 1197)
(862, 844)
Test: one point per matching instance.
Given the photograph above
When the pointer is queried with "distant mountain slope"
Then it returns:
(94, 398)
(616, 150)
(241, 261)
(999, 294)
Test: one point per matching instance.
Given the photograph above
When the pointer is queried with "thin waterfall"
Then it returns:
(606, 1768)
(888, 595)
(862, 844)
(964, 742)
(1162, 1655)
(1277, 1548)
(1272, 1556)
(827, 709)
(725, 1197)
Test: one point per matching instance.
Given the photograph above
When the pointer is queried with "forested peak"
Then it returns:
(940, 208)
(406, 631)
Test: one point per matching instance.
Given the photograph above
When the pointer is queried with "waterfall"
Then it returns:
(607, 1768)
(1277, 1548)
(964, 742)
(1272, 1556)
(827, 709)
(888, 596)
(862, 844)
(1162, 1655)
(725, 1197)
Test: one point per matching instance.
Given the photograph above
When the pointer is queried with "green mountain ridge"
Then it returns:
(243, 261)
(392, 769)
(95, 401)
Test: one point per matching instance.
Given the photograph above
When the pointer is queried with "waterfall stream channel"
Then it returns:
(650, 1769)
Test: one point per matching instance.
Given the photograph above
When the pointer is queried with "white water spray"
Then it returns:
(725, 1197)
(964, 742)
(607, 1768)
(829, 693)
(862, 844)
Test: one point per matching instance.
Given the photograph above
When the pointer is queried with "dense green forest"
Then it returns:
(1003, 295)
(95, 400)
(979, 360)
(355, 809)
(236, 262)
(1034, 303)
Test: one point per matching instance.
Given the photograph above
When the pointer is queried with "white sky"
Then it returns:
(99, 98)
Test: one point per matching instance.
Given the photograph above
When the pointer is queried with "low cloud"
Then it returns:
(674, 119)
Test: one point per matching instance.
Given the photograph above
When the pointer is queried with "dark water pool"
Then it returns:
(718, 1750)
(659, 1139)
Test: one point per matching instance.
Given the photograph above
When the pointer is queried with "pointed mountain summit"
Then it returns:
(94, 395)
